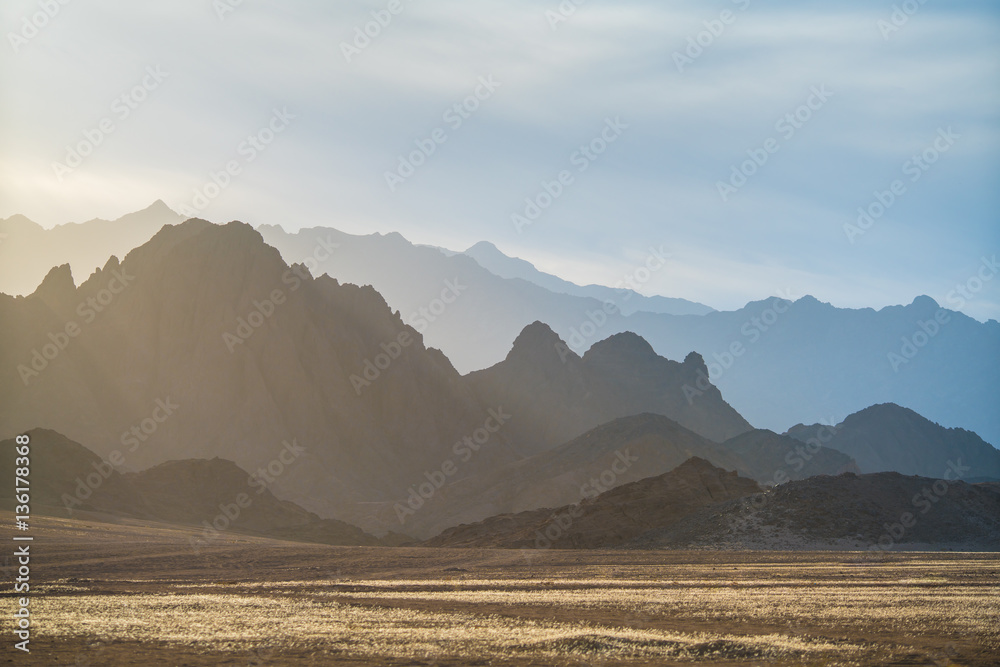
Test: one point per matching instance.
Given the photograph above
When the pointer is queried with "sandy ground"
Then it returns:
(135, 594)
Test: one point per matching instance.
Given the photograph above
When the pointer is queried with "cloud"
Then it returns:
(687, 129)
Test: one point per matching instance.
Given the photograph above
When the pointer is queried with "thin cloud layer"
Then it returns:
(699, 90)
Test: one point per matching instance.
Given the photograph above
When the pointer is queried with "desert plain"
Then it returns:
(139, 594)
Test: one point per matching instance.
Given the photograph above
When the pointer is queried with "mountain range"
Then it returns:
(779, 361)
(204, 343)
(203, 353)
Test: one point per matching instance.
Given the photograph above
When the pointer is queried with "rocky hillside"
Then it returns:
(624, 450)
(874, 512)
(611, 518)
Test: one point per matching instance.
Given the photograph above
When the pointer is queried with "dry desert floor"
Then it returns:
(136, 594)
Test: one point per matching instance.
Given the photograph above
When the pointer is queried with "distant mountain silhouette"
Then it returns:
(628, 301)
(810, 362)
(29, 250)
(559, 395)
(68, 478)
(611, 518)
(888, 437)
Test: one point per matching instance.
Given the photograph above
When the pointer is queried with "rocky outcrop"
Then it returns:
(611, 518)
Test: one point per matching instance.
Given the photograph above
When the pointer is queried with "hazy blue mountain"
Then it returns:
(892, 438)
(830, 362)
(795, 361)
(629, 301)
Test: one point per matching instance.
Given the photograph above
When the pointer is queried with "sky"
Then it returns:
(742, 136)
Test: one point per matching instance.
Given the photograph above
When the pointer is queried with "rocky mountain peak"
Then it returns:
(625, 348)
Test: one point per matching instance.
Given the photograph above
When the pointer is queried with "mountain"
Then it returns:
(779, 361)
(619, 452)
(460, 307)
(197, 490)
(629, 301)
(28, 251)
(611, 518)
(62, 469)
(559, 395)
(874, 512)
(888, 437)
(771, 459)
(204, 343)
(67, 477)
